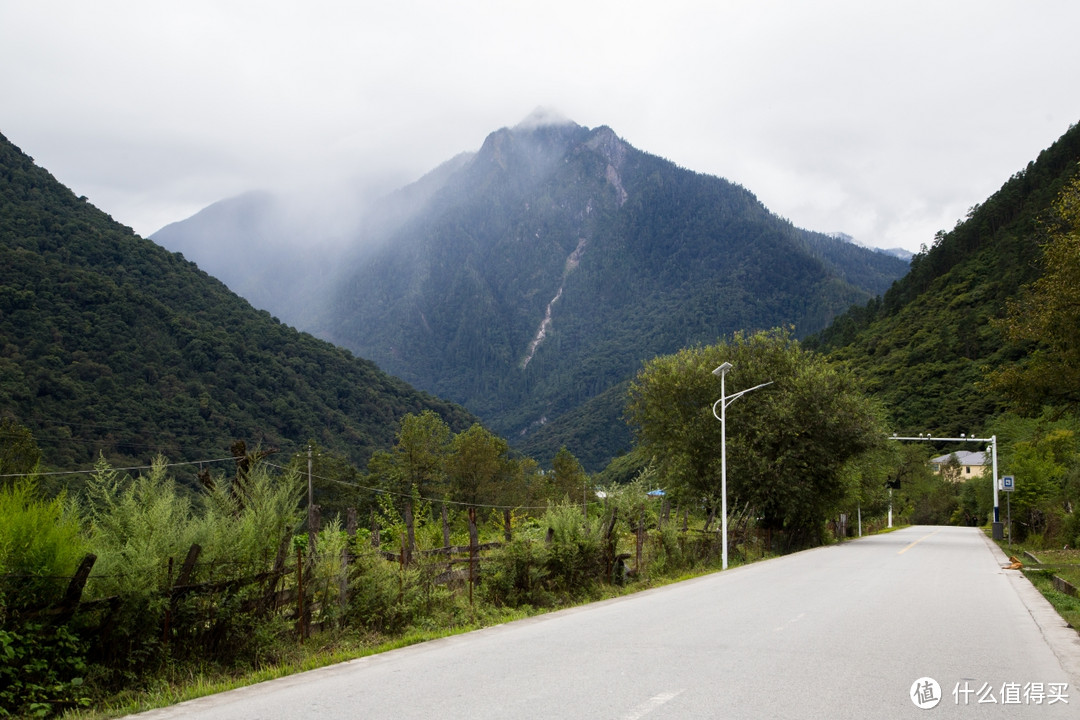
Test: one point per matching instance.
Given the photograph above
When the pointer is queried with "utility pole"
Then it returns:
(310, 505)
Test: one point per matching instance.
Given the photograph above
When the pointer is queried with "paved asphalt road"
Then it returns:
(836, 632)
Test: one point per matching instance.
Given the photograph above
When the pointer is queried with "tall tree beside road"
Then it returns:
(479, 468)
(417, 463)
(787, 442)
(568, 478)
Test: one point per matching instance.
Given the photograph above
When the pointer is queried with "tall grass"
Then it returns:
(40, 546)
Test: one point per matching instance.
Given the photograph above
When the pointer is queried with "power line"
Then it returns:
(135, 467)
(353, 486)
(382, 491)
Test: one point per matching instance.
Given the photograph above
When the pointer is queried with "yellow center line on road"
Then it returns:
(901, 552)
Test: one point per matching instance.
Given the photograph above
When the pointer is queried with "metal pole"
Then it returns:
(310, 506)
(1008, 503)
(723, 469)
(723, 402)
(993, 453)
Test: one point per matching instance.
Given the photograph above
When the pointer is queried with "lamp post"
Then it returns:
(723, 402)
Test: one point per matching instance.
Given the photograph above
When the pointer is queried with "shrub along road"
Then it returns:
(843, 631)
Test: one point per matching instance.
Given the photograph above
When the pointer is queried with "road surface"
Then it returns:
(846, 631)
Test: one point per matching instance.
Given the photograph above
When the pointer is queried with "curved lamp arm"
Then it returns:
(732, 398)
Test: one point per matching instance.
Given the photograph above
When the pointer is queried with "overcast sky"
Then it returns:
(886, 121)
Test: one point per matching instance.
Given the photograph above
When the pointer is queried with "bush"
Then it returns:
(381, 593)
(1071, 529)
(40, 547)
(139, 524)
(517, 574)
(671, 553)
(136, 525)
(327, 571)
(575, 557)
(41, 670)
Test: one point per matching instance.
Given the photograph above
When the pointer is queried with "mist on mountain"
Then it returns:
(530, 276)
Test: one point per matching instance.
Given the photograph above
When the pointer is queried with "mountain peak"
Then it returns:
(543, 117)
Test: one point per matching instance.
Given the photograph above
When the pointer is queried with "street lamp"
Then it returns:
(723, 402)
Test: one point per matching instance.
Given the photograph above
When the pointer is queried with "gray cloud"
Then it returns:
(885, 122)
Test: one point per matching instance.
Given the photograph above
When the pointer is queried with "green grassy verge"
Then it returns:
(1064, 563)
(1066, 605)
(328, 648)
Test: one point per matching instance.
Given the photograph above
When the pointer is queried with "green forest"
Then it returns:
(110, 344)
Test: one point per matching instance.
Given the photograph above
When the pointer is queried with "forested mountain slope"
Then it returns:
(925, 347)
(553, 262)
(110, 343)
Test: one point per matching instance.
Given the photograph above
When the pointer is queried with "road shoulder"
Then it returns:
(1063, 640)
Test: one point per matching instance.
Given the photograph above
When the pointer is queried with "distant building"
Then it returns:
(971, 464)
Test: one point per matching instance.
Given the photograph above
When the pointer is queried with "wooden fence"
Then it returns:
(447, 565)
(285, 588)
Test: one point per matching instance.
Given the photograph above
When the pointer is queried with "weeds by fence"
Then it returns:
(314, 587)
(248, 584)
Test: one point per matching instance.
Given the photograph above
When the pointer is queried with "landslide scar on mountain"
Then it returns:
(541, 333)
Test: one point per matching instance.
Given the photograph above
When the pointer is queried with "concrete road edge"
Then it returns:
(1063, 640)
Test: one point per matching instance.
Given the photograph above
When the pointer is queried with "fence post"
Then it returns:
(640, 541)
(188, 568)
(402, 562)
(507, 532)
(300, 593)
(184, 578)
(73, 594)
(74, 591)
(410, 529)
(609, 542)
(446, 538)
(270, 600)
(346, 560)
(343, 584)
(314, 526)
(474, 542)
(168, 608)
